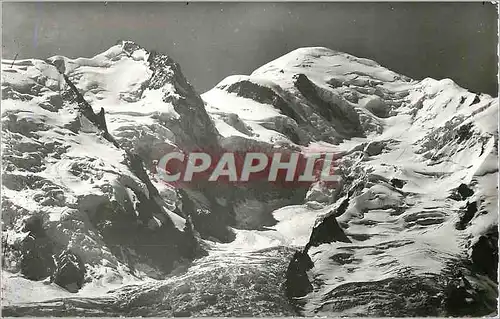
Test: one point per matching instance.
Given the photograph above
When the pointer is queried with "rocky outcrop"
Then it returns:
(297, 282)
(327, 231)
(484, 255)
(193, 129)
(37, 248)
(342, 117)
(41, 257)
(264, 95)
(69, 271)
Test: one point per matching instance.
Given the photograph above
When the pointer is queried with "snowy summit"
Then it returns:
(89, 228)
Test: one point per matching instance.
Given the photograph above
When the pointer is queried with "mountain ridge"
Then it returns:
(410, 149)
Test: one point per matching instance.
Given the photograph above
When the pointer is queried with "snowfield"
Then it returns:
(411, 230)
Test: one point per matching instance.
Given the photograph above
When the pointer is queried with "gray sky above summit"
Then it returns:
(214, 40)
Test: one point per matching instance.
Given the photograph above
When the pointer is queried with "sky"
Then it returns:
(213, 40)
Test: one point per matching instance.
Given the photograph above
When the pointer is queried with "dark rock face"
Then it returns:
(297, 282)
(294, 126)
(327, 231)
(86, 110)
(466, 217)
(345, 122)
(132, 239)
(465, 132)
(209, 218)
(264, 95)
(465, 191)
(37, 260)
(398, 183)
(194, 127)
(136, 165)
(69, 272)
(456, 293)
(485, 254)
(476, 100)
(375, 148)
(192, 248)
(42, 257)
(378, 106)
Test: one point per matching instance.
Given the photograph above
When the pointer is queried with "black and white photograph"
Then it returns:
(249, 159)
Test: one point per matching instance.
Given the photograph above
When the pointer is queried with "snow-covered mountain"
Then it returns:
(410, 230)
(68, 187)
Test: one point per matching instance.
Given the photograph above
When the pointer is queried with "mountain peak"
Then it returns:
(320, 62)
(129, 46)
